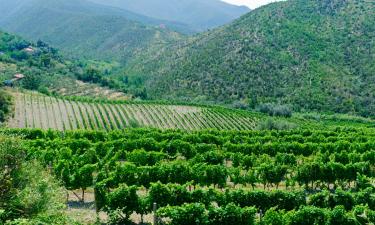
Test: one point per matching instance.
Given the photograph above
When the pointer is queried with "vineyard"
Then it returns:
(38, 111)
(216, 177)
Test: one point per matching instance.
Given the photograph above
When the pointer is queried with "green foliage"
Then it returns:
(189, 214)
(327, 174)
(307, 215)
(299, 52)
(43, 66)
(275, 110)
(5, 105)
(271, 124)
(32, 81)
(83, 35)
(124, 198)
(184, 12)
(28, 195)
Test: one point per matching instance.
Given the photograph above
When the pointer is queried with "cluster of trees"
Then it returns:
(93, 75)
(44, 68)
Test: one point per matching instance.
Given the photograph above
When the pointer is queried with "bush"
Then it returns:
(271, 124)
(28, 194)
(275, 110)
(5, 105)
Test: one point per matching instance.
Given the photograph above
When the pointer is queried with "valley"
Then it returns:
(187, 112)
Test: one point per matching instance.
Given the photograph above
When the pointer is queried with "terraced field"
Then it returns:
(33, 110)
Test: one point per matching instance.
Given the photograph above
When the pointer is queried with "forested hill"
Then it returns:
(312, 54)
(46, 70)
(83, 28)
(198, 14)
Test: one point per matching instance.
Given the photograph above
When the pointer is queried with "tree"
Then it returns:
(272, 217)
(339, 216)
(187, 214)
(84, 178)
(122, 202)
(5, 105)
(307, 215)
(231, 214)
(32, 81)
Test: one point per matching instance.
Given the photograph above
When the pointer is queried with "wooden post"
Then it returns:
(154, 208)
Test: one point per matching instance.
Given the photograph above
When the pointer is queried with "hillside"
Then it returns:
(313, 55)
(45, 69)
(33, 110)
(83, 28)
(198, 14)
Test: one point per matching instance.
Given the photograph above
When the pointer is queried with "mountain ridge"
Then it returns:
(200, 15)
(81, 28)
(313, 55)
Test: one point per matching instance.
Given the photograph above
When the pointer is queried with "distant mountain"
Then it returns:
(199, 14)
(83, 28)
(311, 54)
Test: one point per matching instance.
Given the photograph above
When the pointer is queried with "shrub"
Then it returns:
(271, 124)
(5, 105)
(275, 110)
(28, 194)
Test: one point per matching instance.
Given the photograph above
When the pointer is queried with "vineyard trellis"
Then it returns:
(325, 175)
(38, 111)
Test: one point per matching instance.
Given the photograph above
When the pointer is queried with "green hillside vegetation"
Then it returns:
(198, 14)
(5, 105)
(29, 194)
(40, 63)
(47, 71)
(311, 54)
(81, 28)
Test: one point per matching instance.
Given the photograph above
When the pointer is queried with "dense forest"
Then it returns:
(313, 55)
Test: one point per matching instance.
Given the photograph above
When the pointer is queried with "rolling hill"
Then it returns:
(311, 54)
(33, 110)
(82, 28)
(198, 14)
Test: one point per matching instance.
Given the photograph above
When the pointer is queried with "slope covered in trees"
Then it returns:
(198, 14)
(45, 69)
(83, 28)
(311, 54)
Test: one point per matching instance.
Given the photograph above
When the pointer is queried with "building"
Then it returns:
(11, 82)
(8, 83)
(18, 76)
(29, 50)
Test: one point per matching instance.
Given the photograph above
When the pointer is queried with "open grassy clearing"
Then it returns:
(33, 110)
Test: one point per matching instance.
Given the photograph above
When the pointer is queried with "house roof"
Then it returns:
(19, 76)
(29, 49)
